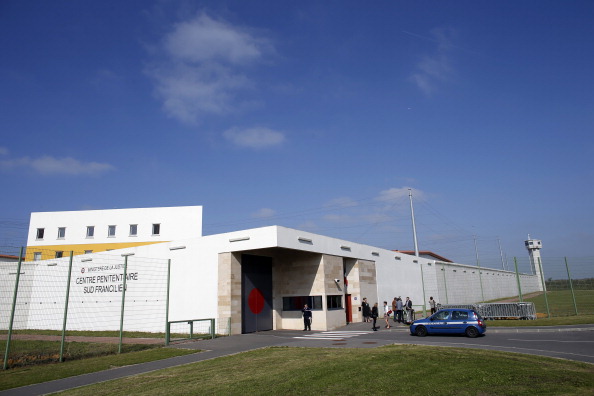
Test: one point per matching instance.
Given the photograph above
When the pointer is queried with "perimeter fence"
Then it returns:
(99, 293)
(569, 282)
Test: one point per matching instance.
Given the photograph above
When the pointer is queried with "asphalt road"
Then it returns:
(566, 342)
(572, 345)
(563, 342)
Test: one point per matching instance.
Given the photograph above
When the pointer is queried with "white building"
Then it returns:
(256, 279)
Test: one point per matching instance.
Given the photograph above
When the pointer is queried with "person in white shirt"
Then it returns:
(387, 314)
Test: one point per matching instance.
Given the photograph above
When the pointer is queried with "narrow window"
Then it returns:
(59, 254)
(61, 232)
(156, 229)
(40, 232)
(133, 229)
(334, 302)
(111, 231)
(90, 231)
(37, 256)
(88, 251)
(296, 303)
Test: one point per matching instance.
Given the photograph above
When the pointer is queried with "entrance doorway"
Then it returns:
(348, 308)
(256, 298)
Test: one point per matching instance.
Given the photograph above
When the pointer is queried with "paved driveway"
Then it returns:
(567, 342)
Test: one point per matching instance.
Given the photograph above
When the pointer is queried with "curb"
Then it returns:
(529, 329)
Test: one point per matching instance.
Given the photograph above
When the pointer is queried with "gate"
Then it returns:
(256, 300)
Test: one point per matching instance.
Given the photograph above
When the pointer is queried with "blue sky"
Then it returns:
(313, 115)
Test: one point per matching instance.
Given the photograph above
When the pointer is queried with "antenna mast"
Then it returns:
(412, 215)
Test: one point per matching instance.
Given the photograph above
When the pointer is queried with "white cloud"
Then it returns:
(436, 67)
(395, 194)
(254, 137)
(342, 202)
(48, 165)
(203, 68)
(336, 218)
(308, 225)
(204, 39)
(264, 213)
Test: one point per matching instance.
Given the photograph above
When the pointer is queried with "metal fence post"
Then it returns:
(167, 327)
(123, 302)
(66, 308)
(481, 282)
(544, 287)
(518, 279)
(14, 299)
(212, 329)
(424, 296)
(571, 287)
(445, 284)
(478, 264)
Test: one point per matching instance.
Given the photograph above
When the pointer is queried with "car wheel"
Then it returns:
(471, 332)
(421, 331)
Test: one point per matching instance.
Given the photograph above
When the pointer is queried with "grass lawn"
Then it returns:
(125, 334)
(561, 302)
(554, 321)
(31, 352)
(330, 371)
(21, 376)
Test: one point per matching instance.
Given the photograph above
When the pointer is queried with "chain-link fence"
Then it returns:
(568, 281)
(59, 292)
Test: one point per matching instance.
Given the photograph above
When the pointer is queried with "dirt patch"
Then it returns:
(516, 299)
(103, 340)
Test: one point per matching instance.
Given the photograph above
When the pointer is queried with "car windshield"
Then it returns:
(459, 315)
(441, 315)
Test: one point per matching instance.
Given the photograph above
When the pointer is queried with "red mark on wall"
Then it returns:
(256, 301)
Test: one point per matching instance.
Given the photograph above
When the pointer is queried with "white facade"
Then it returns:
(174, 223)
(206, 277)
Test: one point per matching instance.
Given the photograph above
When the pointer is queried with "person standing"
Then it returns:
(366, 310)
(399, 307)
(306, 318)
(409, 310)
(432, 305)
(387, 314)
(374, 315)
(394, 307)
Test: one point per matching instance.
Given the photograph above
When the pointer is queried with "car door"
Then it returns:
(458, 322)
(439, 322)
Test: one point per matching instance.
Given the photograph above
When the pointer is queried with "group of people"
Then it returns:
(399, 309)
(372, 313)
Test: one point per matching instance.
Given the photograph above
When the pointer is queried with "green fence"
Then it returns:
(569, 283)
(58, 293)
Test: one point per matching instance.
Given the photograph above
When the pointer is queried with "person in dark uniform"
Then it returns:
(374, 315)
(306, 318)
(366, 310)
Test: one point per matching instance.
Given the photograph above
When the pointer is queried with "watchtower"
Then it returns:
(534, 246)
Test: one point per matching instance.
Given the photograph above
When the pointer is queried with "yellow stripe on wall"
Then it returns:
(49, 251)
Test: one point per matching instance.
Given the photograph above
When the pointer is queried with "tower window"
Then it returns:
(90, 231)
(61, 232)
(40, 233)
(156, 229)
(111, 231)
(133, 229)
